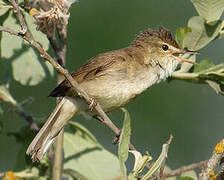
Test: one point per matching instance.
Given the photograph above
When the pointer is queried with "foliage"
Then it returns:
(124, 144)
(19, 54)
(84, 157)
(209, 10)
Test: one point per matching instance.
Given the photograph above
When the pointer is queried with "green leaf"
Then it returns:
(216, 87)
(204, 64)
(84, 155)
(23, 137)
(189, 174)
(185, 178)
(157, 164)
(6, 96)
(124, 143)
(31, 173)
(211, 10)
(138, 157)
(166, 170)
(180, 34)
(140, 162)
(219, 68)
(76, 126)
(4, 13)
(73, 175)
(4, 7)
(201, 34)
(27, 66)
(214, 77)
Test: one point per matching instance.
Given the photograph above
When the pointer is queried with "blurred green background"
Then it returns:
(192, 113)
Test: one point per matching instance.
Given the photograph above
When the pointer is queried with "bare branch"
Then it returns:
(10, 31)
(215, 160)
(7, 97)
(209, 165)
(182, 169)
(58, 156)
(19, 16)
(27, 117)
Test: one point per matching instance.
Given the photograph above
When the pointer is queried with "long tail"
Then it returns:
(64, 111)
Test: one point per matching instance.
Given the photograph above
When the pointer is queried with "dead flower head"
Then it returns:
(52, 13)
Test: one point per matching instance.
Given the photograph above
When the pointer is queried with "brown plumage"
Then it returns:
(97, 65)
(162, 34)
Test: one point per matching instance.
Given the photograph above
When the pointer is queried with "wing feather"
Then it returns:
(94, 68)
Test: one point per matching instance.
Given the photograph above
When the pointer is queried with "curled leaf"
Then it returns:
(201, 34)
(124, 143)
(211, 10)
(158, 163)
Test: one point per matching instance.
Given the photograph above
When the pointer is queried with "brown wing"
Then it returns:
(95, 67)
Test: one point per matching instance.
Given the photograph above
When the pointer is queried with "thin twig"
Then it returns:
(182, 169)
(10, 31)
(193, 77)
(19, 16)
(27, 117)
(164, 161)
(18, 108)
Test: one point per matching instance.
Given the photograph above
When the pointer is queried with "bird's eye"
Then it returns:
(165, 47)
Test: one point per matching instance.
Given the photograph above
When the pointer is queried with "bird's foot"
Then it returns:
(117, 138)
(92, 104)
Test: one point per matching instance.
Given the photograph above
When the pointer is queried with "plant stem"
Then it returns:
(60, 53)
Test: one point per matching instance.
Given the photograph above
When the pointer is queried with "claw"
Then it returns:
(92, 104)
(117, 138)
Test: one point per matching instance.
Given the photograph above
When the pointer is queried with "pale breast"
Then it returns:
(113, 92)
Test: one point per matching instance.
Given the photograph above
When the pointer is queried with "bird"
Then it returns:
(113, 79)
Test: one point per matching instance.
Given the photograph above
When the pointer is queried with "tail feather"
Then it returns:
(64, 110)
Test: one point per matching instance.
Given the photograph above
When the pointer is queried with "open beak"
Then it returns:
(184, 51)
(187, 51)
